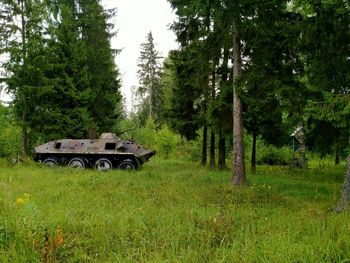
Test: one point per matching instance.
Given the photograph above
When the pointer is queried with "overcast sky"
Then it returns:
(135, 18)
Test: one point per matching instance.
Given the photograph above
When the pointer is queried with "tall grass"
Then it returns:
(171, 211)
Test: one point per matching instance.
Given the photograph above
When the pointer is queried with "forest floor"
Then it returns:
(172, 211)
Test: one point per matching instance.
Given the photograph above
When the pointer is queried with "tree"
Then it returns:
(102, 72)
(183, 113)
(327, 73)
(272, 72)
(244, 31)
(149, 74)
(194, 32)
(344, 201)
(238, 159)
(72, 90)
(64, 77)
(24, 28)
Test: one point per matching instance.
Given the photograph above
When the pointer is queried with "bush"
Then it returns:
(163, 140)
(10, 141)
(272, 155)
(192, 149)
(166, 141)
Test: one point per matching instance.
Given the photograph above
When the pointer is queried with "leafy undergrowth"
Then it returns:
(171, 211)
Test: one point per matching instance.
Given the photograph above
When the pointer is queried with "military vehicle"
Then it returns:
(104, 153)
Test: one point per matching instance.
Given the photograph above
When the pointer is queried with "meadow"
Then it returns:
(172, 211)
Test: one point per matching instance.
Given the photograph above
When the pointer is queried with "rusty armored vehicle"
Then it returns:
(105, 153)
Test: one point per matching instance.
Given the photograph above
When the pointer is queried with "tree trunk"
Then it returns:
(222, 152)
(337, 158)
(24, 128)
(212, 133)
(253, 160)
(150, 101)
(23, 91)
(204, 145)
(212, 149)
(238, 163)
(345, 195)
(222, 140)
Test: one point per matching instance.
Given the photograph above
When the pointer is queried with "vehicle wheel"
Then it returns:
(77, 163)
(50, 161)
(103, 164)
(127, 165)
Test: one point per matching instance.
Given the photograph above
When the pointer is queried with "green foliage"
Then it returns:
(10, 141)
(327, 74)
(271, 155)
(150, 91)
(191, 213)
(64, 112)
(190, 149)
(167, 142)
(103, 75)
(10, 134)
(268, 154)
(62, 68)
(184, 111)
(163, 140)
(146, 135)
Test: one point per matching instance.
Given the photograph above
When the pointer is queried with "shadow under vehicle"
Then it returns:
(105, 153)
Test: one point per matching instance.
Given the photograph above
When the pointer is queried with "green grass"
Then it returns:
(171, 211)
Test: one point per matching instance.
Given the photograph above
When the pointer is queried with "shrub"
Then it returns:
(10, 141)
(166, 141)
(272, 155)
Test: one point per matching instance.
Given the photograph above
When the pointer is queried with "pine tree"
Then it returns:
(149, 74)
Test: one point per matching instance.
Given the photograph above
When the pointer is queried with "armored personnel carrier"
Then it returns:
(105, 153)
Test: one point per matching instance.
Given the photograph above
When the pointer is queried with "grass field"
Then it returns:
(172, 211)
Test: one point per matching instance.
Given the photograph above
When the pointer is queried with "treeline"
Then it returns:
(270, 66)
(61, 68)
(243, 67)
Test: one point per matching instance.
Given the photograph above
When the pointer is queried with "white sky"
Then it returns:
(135, 18)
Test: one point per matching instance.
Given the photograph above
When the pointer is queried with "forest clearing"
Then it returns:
(172, 211)
(236, 134)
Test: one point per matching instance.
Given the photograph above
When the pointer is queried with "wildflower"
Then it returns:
(23, 199)
(58, 240)
(20, 201)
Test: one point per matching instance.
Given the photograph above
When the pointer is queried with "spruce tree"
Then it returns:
(25, 45)
(327, 74)
(149, 73)
(96, 31)
(66, 111)
(185, 106)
